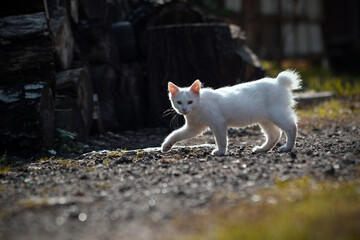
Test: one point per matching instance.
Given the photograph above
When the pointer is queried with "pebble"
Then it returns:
(151, 189)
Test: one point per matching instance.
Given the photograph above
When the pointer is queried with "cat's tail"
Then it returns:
(290, 79)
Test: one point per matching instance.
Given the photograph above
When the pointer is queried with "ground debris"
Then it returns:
(131, 192)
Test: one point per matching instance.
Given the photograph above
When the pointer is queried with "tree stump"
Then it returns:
(184, 53)
(27, 81)
(27, 115)
(74, 102)
(63, 37)
(26, 49)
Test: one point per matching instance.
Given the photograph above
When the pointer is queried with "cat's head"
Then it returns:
(185, 100)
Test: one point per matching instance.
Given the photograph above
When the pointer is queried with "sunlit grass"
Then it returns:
(4, 169)
(89, 169)
(332, 109)
(298, 209)
(4, 166)
(61, 161)
(46, 159)
(114, 153)
(139, 156)
(318, 78)
(339, 85)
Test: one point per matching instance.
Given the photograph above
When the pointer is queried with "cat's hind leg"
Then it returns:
(291, 131)
(272, 136)
(289, 126)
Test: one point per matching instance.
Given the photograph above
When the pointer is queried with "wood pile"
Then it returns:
(27, 80)
(60, 55)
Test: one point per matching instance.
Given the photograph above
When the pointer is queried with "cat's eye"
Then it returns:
(179, 102)
(190, 102)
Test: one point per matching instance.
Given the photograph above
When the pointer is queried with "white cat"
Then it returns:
(268, 102)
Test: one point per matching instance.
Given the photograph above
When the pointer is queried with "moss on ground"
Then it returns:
(297, 209)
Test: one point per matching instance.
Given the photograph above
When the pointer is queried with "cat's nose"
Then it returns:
(184, 110)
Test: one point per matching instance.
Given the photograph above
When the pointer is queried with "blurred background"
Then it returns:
(324, 32)
(78, 68)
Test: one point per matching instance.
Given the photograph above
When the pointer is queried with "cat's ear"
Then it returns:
(173, 89)
(195, 87)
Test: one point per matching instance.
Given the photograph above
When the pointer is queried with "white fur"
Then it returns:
(268, 102)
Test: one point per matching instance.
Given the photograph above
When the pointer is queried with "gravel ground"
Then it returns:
(139, 194)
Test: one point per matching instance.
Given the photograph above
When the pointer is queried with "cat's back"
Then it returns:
(257, 88)
(246, 88)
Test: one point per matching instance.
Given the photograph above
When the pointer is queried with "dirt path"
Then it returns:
(139, 194)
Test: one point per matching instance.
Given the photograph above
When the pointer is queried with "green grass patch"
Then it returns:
(46, 159)
(4, 169)
(68, 163)
(62, 162)
(332, 109)
(102, 185)
(139, 156)
(89, 169)
(319, 78)
(114, 154)
(4, 165)
(298, 209)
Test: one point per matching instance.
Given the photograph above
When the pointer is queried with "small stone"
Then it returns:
(152, 202)
(124, 188)
(256, 198)
(330, 172)
(82, 217)
(84, 177)
(123, 160)
(99, 161)
(52, 151)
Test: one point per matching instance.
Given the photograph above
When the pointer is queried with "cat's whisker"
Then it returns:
(168, 112)
(174, 122)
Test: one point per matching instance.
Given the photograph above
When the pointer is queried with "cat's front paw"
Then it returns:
(218, 152)
(258, 149)
(166, 146)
